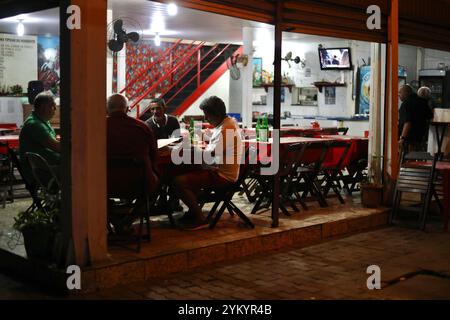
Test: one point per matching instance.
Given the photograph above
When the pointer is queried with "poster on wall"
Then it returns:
(257, 72)
(364, 90)
(18, 61)
(48, 63)
(330, 95)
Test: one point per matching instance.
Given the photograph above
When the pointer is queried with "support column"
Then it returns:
(88, 120)
(375, 138)
(109, 60)
(277, 109)
(391, 164)
(247, 78)
(122, 69)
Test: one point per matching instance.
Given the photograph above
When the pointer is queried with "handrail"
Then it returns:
(198, 74)
(199, 46)
(189, 69)
(165, 69)
(151, 65)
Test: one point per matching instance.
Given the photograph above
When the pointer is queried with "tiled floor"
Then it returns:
(413, 264)
(166, 239)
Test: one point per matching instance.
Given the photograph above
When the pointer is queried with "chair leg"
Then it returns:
(216, 218)
(213, 210)
(241, 215)
(299, 198)
(396, 202)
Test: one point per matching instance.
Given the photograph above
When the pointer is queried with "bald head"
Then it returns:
(424, 92)
(117, 103)
(405, 92)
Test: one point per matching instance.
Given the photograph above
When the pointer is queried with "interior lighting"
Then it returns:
(172, 9)
(157, 40)
(20, 28)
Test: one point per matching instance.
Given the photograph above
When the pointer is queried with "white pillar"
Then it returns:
(376, 114)
(247, 78)
(122, 68)
(109, 60)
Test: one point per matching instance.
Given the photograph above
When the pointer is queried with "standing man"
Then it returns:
(37, 134)
(162, 124)
(414, 115)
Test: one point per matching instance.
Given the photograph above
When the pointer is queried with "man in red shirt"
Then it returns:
(129, 137)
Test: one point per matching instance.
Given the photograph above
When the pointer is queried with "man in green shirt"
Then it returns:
(37, 135)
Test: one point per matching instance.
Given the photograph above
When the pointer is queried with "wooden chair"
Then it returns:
(308, 173)
(343, 130)
(289, 162)
(127, 188)
(225, 195)
(417, 180)
(331, 179)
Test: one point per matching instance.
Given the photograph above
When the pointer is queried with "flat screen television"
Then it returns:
(335, 59)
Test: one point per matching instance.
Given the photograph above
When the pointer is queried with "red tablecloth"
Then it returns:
(12, 141)
(291, 131)
(358, 149)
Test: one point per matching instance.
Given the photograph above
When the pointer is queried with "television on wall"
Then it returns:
(335, 59)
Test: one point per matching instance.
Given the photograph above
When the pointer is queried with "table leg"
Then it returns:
(446, 205)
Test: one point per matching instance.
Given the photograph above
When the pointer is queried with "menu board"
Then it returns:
(18, 60)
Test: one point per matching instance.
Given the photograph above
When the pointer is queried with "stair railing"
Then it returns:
(165, 76)
(198, 74)
(165, 69)
(158, 60)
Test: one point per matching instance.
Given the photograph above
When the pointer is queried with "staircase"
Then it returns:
(186, 78)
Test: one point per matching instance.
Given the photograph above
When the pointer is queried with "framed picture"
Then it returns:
(257, 72)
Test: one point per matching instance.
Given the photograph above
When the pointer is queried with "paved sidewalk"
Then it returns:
(414, 265)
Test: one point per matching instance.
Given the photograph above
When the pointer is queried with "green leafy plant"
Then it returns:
(16, 89)
(37, 220)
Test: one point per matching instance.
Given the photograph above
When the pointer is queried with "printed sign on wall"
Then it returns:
(18, 60)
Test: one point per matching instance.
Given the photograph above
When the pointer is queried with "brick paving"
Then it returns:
(414, 265)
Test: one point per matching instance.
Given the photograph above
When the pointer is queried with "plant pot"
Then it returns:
(371, 195)
(38, 242)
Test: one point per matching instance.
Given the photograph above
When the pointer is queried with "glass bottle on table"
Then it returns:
(264, 130)
(257, 128)
(191, 130)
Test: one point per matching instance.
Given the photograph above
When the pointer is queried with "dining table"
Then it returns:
(11, 141)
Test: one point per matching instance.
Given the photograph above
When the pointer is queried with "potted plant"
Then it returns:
(39, 229)
(372, 188)
(16, 90)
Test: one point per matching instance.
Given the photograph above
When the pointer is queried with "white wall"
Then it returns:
(220, 88)
(407, 57)
(345, 100)
(433, 57)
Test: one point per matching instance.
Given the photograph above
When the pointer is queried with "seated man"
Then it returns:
(128, 137)
(37, 134)
(224, 149)
(162, 124)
